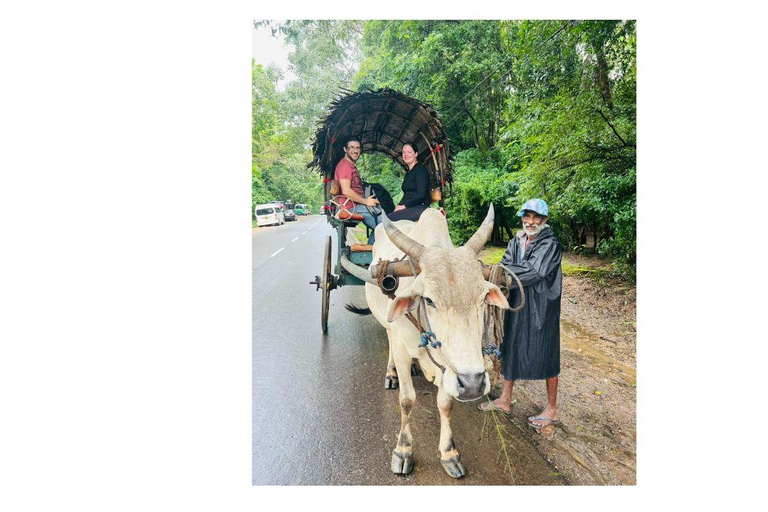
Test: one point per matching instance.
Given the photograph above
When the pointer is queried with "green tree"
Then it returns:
(571, 130)
(533, 109)
(325, 56)
(265, 113)
(453, 65)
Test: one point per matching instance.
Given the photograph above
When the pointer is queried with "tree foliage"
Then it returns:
(442, 63)
(533, 109)
(324, 59)
(570, 128)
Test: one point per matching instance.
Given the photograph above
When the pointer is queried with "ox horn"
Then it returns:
(357, 271)
(477, 242)
(403, 242)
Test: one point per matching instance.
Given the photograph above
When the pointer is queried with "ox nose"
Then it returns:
(471, 386)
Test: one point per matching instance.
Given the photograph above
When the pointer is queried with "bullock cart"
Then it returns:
(440, 315)
(383, 120)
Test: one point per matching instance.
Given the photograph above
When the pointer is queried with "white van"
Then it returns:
(268, 215)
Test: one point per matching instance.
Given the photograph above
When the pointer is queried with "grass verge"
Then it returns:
(598, 270)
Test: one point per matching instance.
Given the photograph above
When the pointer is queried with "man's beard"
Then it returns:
(534, 229)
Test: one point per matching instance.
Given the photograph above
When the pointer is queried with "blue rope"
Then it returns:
(491, 349)
(429, 338)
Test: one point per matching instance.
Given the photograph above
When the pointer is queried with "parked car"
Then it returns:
(269, 215)
(289, 212)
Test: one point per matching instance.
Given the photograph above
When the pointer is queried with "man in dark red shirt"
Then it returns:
(352, 186)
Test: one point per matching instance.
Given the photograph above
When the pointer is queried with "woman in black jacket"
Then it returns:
(415, 188)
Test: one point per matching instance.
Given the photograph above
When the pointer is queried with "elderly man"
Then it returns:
(352, 186)
(531, 348)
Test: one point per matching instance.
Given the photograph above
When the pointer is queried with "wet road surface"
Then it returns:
(321, 415)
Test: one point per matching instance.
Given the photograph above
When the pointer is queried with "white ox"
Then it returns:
(455, 293)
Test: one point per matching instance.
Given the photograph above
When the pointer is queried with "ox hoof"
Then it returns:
(390, 382)
(454, 467)
(402, 463)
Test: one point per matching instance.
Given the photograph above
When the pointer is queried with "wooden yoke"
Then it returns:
(402, 268)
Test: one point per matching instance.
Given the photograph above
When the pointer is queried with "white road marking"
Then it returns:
(280, 249)
(294, 239)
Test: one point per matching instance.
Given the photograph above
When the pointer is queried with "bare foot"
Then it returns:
(499, 403)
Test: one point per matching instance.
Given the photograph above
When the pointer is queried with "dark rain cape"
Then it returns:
(531, 348)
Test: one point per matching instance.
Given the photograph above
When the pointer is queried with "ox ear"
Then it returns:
(494, 297)
(405, 300)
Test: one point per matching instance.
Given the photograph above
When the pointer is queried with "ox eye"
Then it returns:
(429, 302)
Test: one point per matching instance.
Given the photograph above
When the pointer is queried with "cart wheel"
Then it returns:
(327, 285)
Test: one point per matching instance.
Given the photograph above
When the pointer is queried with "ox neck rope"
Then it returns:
(494, 317)
(428, 337)
(493, 334)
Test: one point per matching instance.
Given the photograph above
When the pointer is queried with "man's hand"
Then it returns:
(346, 189)
(399, 207)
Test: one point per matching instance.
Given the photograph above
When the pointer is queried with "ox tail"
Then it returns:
(356, 310)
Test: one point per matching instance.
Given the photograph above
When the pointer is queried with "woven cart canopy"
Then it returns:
(383, 121)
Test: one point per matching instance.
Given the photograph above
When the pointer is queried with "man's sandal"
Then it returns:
(549, 421)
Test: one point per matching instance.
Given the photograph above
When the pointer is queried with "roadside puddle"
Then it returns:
(577, 338)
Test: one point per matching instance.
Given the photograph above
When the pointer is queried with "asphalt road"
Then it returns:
(321, 415)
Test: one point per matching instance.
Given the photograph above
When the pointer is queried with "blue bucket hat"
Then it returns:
(535, 205)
